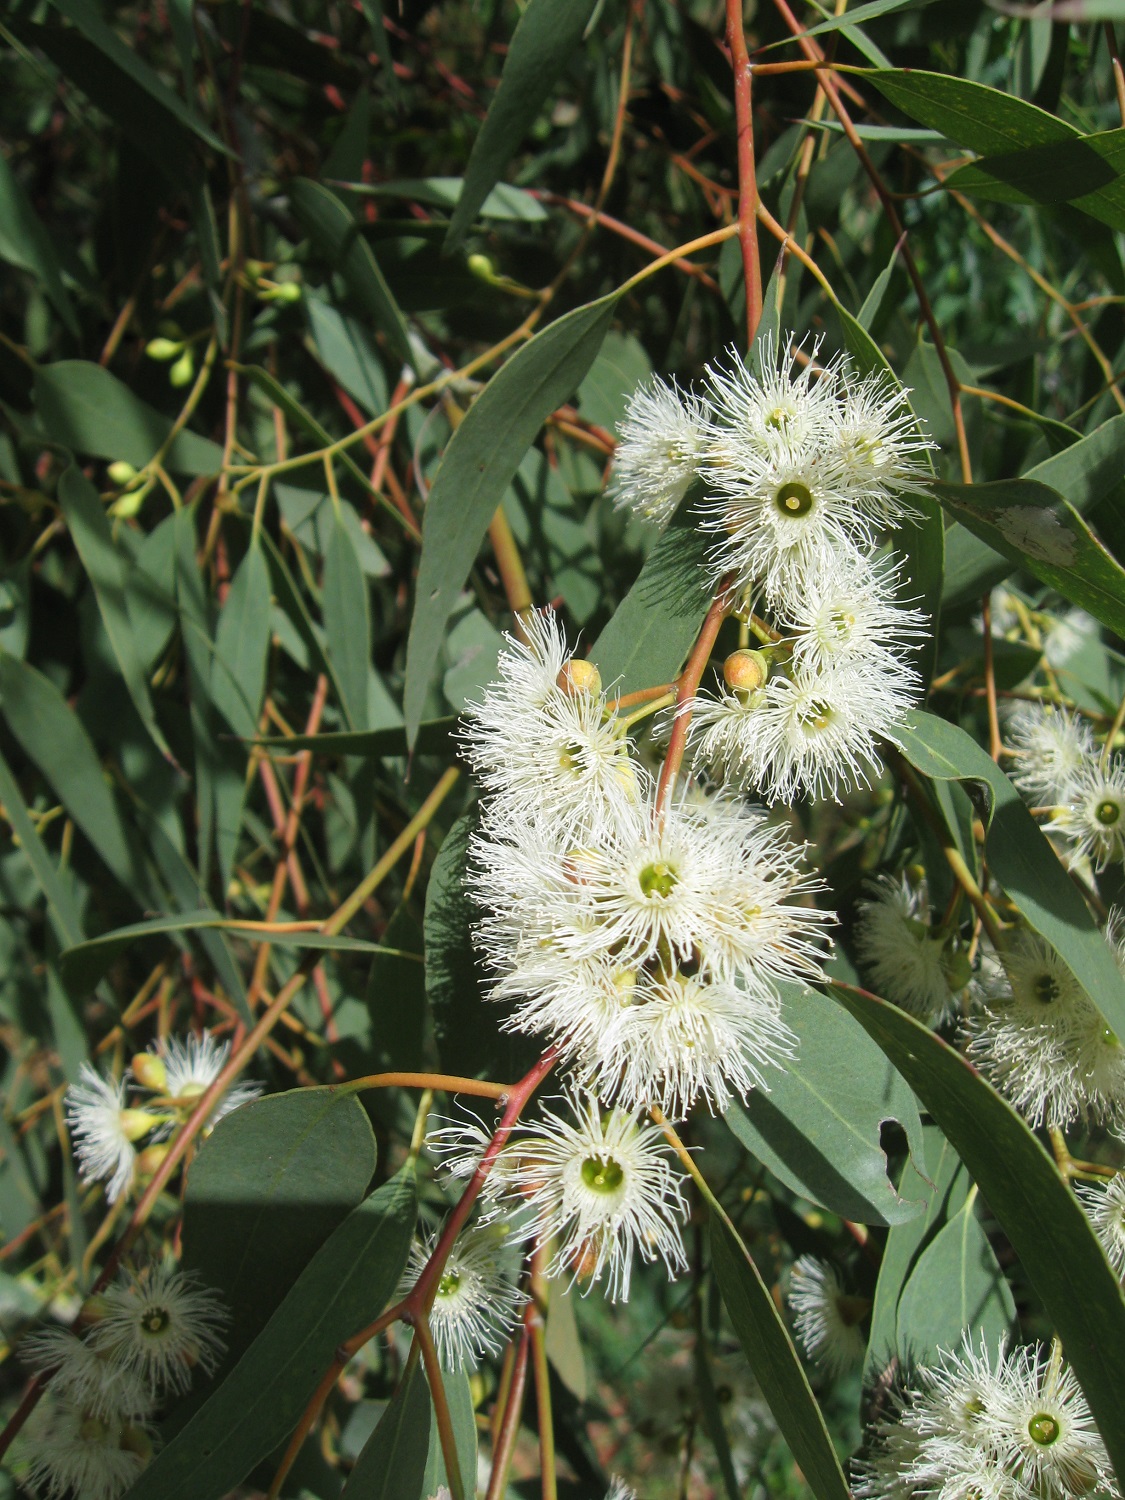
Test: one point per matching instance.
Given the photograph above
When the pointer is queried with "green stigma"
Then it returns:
(1044, 1429)
(658, 879)
(449, 1283)
(794, 499)
(155, 1320)
(1107, 812)
(603, 1174)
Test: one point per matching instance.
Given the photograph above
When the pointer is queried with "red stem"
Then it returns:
(747, 174)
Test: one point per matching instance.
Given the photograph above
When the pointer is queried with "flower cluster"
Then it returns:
(919, 965)
(828, 1319)
(143, 1336)
(106, 1129)
(1061, 769)
(1013, 1428)
(804, 469)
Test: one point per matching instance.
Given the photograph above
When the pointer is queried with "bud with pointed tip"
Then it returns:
(136, 1123)
(482, 267)
(163, 348)
(151, 1160)
(121, 472)
(183, 370)
(577, 677)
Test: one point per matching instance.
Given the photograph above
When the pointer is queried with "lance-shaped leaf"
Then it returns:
(547, 33)
(344, 1287)
(1034, 527)
(956, 1285)
(1034, 1205)
(25, 243)
(392, 1463)
(1021, 859)
(478, 466)
(777, 1368)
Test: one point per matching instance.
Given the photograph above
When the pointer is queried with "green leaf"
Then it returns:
(654, 627)
(1085, 172)
(242, 637)
(106, 40)
(60, 903)
(818, 1126)
(392, 1465)
(269, 1186)
(971, 114)
(766, 1343)
(1088, 473)
(1033, 1204)
(348, 354)
(86, 408)
(193, 608)
(463, 1028)
(905, 1242)
(504, 202)
(1035, 528)
(105, 567)
(1021, 859)
(956, 1285)
(53, 737)
(26, 244)
(478, 466)
(344, 1287)
(459, 1395)
(546, 34)
(338, 237)
(347, 621)
(291, 601)
(83, 964)
(435, 737)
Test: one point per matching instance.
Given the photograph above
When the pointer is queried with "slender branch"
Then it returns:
(686, 686)
(448, 1082)
(536, 1327)
(995, 744)
(509, 1426)
(441, 1405)
(747, 172)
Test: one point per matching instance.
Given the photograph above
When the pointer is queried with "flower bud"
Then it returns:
(149, 1071)
(482, 267)
(744, 672)
(286, 291)
(162, 348)
(136, 1123)
(182, 371)
(151, 1159)
(121, 472)
(577, 677)
(956, 967)
(136, 1440)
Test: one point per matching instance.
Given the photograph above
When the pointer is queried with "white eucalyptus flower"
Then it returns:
(1049, 746)
(805, 732)
(1040, 1040)
(1013, 1428)
(827, 1319)
(806, 463)
(1090, 813)
(907, 961)
(478, 1300)
(1066, 635)
(71, 1452)
(1105, 1208)
(183, 1068)
(619, 1490)
(86, 1378)
(160, 1323)
(105, 1130)
(659, 447)
(542, 740)
(850, 613)
(603, 1190)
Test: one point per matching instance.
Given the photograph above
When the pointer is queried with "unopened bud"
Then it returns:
(136, 1440)
(151, 1159)
(149, 1071)
(162, 348)
(956, 967)
(285, 291)
(744, 672)
(577, 677)
(136, 1123)
(183, 370)
(126, 506)
(482, 267)
(121, 472)
(92, 1311)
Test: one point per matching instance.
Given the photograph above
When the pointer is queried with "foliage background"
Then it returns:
(268, 189)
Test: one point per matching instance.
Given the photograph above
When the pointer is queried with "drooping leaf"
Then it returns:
(460, 1398)
(105, 567)
(267, 1189)
(818, 1126)
(338, 237)
(61, 905)
(956, 1286)
(25, 243)
(478, 466)
(777, 1368)
(1021, 859)
(345, 1286)
(86, 408)
(392, 1464)
(546, 35)
(347, 621)
(435, 737)
(1034, 1205)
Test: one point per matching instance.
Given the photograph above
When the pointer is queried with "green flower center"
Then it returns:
(570, 757)
(1044, 1429)
(658, 879)
(1107, 812)
(450, 1281)
(816, 715)
(794, 499)
(154, 1320)
(602, 1174)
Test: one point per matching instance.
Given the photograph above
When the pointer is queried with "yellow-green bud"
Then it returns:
(163, 348)
(482, 267)
(151, 1159)
(577, 677)
(149, 1071)
(136, 1123)
(744, 672)
(136, 1440)
(285, 291)
(126, 506)
(121, 472)
(183, 370)
(956, 967)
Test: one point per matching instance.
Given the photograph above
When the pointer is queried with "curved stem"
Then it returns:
(686, 687)
(747, 174)
(510, 1420)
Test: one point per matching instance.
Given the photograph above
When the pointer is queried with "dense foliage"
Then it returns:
(562, 804)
